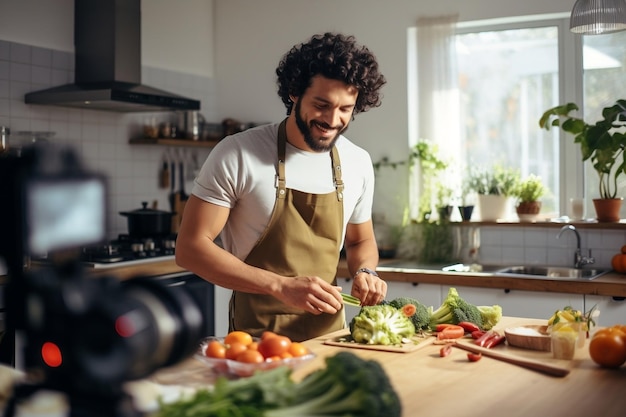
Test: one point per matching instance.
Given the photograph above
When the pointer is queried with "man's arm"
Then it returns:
(197, 252)
(362, 252)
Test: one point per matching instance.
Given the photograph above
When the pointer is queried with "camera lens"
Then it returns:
(135, 329)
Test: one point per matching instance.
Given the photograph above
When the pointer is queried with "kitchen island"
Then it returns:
(433, 386)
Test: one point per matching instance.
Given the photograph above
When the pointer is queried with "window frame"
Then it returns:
(570, 62)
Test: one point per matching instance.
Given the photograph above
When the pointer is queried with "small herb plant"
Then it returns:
(497, 181)
(529, 189)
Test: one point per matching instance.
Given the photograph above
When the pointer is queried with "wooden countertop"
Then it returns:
(452, 386)
(611, 284)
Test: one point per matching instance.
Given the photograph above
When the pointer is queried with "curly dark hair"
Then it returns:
(334, 56)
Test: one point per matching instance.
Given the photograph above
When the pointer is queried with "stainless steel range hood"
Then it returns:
(107, 39)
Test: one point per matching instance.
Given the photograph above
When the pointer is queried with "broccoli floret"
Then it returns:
(421, 317)
(491, 315)
(348, 386)
(381, 325)
(454, 310)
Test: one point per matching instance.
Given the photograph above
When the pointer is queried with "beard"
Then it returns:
(320, 144)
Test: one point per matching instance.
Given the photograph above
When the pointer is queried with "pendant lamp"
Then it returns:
(596, 17)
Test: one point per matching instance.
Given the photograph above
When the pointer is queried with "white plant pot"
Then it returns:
(492, 207)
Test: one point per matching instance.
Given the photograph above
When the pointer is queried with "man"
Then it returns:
(285, 197)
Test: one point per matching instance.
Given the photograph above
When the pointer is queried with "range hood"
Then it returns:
(107, 40)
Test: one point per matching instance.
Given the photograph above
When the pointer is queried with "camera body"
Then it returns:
(82, 336)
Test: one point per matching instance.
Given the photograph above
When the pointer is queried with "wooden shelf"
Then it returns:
(173, 142)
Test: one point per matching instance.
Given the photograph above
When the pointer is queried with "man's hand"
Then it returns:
(368, 288)
(311, 294)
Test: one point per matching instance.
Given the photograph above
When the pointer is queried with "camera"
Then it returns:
(75, 334)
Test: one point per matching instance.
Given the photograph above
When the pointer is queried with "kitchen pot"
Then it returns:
(146, 222)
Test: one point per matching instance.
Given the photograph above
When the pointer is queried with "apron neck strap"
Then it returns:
(280, 176)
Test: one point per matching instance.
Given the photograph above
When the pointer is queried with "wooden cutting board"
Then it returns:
(417, 342)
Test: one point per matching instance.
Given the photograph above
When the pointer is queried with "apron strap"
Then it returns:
(280, 182)
(282, 145)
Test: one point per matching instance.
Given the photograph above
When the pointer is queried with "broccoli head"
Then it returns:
(381, 325)
(454, 310)
(348, 386)
(491, 315)
(421, 317)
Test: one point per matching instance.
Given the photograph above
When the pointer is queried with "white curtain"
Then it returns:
(437, 103)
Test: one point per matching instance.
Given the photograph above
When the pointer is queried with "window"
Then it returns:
(508, 75)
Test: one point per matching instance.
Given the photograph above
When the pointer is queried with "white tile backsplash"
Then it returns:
(503, 245)
(100, 137)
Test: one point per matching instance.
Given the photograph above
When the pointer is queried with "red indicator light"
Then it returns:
(51, 355)
(124, 326)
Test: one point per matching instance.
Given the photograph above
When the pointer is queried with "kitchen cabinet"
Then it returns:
(612, 309)
(533, 304)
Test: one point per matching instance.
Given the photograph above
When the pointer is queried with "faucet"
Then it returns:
(579, 259)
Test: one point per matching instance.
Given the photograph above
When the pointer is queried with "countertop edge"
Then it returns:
(611, 284)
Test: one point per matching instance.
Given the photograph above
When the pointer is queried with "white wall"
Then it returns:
(175, 35)
(251, 37)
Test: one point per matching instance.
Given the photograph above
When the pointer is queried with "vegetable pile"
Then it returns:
(348, 386)
(390, 322)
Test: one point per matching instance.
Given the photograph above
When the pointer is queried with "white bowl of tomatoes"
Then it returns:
(240, 354)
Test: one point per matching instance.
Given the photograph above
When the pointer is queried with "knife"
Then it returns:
(515, 360)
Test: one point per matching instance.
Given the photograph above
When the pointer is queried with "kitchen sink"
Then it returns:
(553, 272)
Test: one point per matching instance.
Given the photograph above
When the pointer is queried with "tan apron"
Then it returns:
(302, 238)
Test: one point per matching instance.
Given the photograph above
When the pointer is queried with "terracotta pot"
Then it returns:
(607, 209)
(528, 210)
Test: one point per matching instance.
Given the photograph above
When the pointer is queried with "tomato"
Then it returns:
(267, 334)
(239, 337)
(215, 349)
(250, 356)
(474, 357)
(607, 348)
(274, 346)
(297, 349)
(234, 349)
(445, 351)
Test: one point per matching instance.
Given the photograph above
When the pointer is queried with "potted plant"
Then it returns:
(601, 143)
(494, 187)
(528, 192)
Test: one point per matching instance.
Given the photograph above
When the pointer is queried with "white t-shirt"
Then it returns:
(240, 173)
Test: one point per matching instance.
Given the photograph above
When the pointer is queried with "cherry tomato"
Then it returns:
(250, 356)
(474, 357)
(234, 349)
(445, 351)
(607, 348)
(239, 337)
(274, 346)
(215, 349)
(297, 349)
(267, 334)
